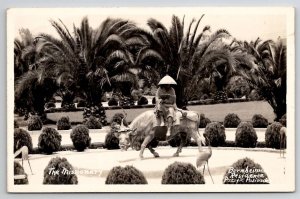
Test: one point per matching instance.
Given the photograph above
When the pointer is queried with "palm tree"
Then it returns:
(270, 79)
(174, 51)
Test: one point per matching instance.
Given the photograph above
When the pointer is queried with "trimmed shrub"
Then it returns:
(245, 135)
(175, 142)
(153, 100)
(203, 121)
(249, 166)
(220, 96)
(142, 101)
(117, 118)
(112, 102)
(182, 173)
(81, 103)
(80, 137)
(63, 123)
(111, 141)
(50, 105)
(272, 135)
(59, 171)
(215, 134)
(259, 121)
(231, 120)
(22, 138)
(125, 175)
(16, 125)
(49, 140)
(93, 123)
(34, 123)
(19, 170)
(283, 120)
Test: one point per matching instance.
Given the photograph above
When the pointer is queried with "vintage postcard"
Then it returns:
(151, 99)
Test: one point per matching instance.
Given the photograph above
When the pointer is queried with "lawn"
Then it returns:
(215, 112)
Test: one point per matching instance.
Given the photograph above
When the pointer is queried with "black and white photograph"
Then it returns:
(151, 99)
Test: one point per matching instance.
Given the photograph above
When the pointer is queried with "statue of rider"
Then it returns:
(166, 103)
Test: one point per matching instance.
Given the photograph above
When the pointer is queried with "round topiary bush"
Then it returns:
(175, 141)
(22, 138)
(63, 123)
(245, 135)
(203, 121)
(153, 100)
(283, 120)
(34, 123)
(142, 101)
(272, 135)
(59, 171)
(245, 167)
(80, 137)
(111, 141)
(93, 123)
(117, 118)
(16, 125)
(112, 102)
(215, 134)
(19, 170)
(49, 140)
(125, 175)
(259, 121)
(182, 173)
(231, 120)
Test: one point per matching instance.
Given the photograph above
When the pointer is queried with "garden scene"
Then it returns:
(85, 105)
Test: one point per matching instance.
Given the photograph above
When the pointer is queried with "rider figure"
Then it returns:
(166, 103)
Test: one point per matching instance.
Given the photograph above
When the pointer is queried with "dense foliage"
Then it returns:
(245, 135)
(203, 121)
(272, 135)
(125, 175)
(49, 140)
(231, 120)
(80, 137)
(182, 173)
(215, 134)
(22, 138)
(34, 123)
(63, 123)
(259, 121)
(249, 167)
(59, 171)
(19, 170)
(92, 123)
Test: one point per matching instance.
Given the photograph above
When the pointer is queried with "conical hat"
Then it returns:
(167, 80)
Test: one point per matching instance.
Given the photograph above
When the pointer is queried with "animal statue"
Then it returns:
(203, 158)
(144, 124)
(24, 153)
(282, 140)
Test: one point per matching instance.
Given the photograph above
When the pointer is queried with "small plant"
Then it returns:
(259, 121)
(231, 120)
(111, 141)
(112, 102)
(215, 134)
(272, 135)
(16, 125)
(63, 123)
(125, 175)
(59, 171)
(118, 119)
(93, 123)
(49, 140)
(80, 137)
(34, 123)
(81, 103)
(142, 101)
(283, 120)
(19, 170)
(175, 141)
(245, 165)
(245, 135)
(203, 121)
(182, 173)
(22, 138)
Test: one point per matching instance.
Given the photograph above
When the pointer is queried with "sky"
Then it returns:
(243, 24)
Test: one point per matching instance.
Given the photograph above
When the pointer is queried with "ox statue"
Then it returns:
(144, 125)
